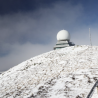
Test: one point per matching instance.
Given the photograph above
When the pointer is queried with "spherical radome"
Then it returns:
(63, 35)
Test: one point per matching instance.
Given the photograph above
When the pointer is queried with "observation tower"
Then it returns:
(63, 40)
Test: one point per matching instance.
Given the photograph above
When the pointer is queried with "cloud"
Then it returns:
(22, 27)
(21, 53)
(12, 6)
(26, 34)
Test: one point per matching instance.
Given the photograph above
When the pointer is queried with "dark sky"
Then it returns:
(29, 27)
(14, 6)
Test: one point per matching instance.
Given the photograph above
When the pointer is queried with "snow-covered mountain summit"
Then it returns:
(66, 73)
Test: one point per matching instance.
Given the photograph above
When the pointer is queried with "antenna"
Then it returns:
(90, 37)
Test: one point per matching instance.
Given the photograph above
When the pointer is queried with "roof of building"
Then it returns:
(63, 35)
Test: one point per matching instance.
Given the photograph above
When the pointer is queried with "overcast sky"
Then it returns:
(29, 27)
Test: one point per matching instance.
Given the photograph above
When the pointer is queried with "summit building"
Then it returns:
(63, 40)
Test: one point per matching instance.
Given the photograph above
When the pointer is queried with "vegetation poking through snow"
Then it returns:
(66, 73)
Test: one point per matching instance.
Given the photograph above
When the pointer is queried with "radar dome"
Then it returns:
(63, 35)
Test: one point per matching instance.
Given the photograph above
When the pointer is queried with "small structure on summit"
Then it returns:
(63, 40)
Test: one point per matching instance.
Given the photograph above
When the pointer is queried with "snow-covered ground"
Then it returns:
(66, 73)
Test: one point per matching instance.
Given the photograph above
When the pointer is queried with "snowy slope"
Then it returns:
(66, 73)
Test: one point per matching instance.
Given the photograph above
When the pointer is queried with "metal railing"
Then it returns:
(92, 90)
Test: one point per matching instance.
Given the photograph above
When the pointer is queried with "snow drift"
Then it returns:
(66, 73)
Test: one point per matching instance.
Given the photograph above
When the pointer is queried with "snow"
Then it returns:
(95, 95)
(66, 73)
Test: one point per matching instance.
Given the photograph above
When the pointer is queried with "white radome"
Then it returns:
(63, 35)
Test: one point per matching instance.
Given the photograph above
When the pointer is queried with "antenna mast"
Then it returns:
(90, 37)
